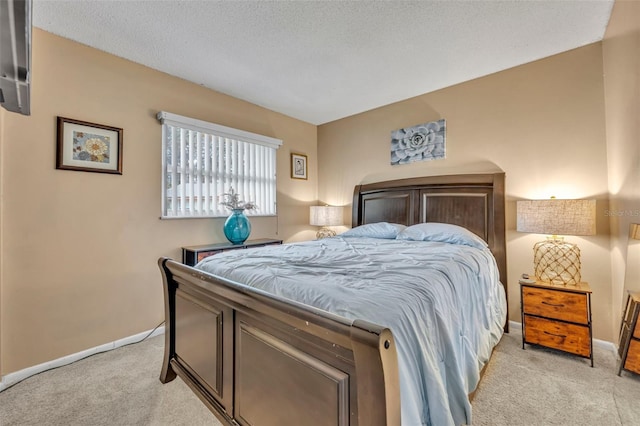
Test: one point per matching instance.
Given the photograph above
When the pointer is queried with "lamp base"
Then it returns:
(557, 262)
(325, 232)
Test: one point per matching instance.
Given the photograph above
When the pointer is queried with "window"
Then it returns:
(201, 161)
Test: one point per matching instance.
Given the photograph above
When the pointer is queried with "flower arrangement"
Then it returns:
(232, 201)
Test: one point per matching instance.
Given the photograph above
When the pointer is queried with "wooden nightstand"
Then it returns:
(557, 316)
(629, 342)
(194, 254)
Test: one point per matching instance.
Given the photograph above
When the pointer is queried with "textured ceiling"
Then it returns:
(321, 61)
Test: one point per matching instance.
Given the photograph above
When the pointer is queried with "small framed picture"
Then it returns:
(88, 147)
(298, 166)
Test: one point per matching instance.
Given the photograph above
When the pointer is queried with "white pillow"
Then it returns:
(442, 232)
(382, 230)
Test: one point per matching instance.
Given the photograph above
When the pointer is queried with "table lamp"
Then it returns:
(555, 260)
(325, 216)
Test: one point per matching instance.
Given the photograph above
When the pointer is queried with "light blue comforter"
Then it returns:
(443, 302)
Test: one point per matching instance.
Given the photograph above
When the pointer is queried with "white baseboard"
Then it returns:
(596, 342)
(12, 378)
(515, 326)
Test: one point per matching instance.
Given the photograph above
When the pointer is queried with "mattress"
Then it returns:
(443, 303)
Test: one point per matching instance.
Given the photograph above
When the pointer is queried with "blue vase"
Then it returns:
(237, 227)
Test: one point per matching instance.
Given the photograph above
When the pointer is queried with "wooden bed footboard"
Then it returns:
(258, 359)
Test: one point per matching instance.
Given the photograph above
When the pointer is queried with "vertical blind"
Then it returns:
(201, 161)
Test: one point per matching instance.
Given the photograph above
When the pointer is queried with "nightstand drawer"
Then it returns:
(632, 362)
(554, 334)
(204, 254)
(555, 304)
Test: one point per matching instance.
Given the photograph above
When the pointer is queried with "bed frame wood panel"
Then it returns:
(257, 359)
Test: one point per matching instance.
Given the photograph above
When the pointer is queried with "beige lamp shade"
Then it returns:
(557, 217)
(555, 260)
(325, 216)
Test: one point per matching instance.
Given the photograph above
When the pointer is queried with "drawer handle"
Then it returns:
(557, 335)
(553, 304)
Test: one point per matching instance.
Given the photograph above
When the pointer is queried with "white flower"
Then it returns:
(416, 143)
(232, 201)
(95, 146)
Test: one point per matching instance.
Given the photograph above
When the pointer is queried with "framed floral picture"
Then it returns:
(419, 143)
(298, 166)
(88, 147)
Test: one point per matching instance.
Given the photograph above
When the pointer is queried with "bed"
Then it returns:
(258, 357)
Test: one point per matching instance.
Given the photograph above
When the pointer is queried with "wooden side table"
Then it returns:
(194, 254)
(629, 340)
(557, 316)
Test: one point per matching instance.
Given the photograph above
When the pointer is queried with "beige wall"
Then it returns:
(79, 250)
(542, 123)
(621, 53)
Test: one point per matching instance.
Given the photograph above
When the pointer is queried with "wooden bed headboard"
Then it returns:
(474, 201)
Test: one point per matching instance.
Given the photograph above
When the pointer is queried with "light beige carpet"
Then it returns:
(531, 387)
(539, 386)
(120, 387)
